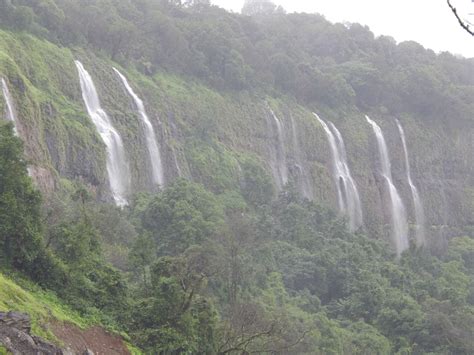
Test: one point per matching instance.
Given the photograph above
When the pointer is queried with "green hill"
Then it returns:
(247, 246)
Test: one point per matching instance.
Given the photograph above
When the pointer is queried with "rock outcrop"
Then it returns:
(16, 337)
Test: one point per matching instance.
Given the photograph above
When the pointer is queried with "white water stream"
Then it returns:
(117, 165)
(151, 142)
(347, 192)
(10, 111)
(398, 212)
(419, 212)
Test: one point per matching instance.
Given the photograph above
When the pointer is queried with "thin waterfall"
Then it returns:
(10, 111)
(399, 216)
(347, 192)
(117, 165)
(176, 163)
(283, 169)
(12, 117)
(419, 212)
(152, 145)
(305, 185)
(354, 206)
(279, 166)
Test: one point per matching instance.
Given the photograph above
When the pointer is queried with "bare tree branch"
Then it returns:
(461, 21)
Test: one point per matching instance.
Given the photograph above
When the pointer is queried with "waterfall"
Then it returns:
(419, 212)
(347, 193)
(11, 116)
(152, 145)
(10, 111)
(176, 163)
(304, 183)
(280, 168)
(399, 217)
(117, 166)
(354, 206)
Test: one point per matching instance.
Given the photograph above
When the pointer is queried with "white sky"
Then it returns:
(429, 22)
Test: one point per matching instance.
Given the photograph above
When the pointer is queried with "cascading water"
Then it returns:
(152, 145)
(354, 205)
(281, 167)
(10, 111)
(399, 216)
(117, 166)
(305, 185)
(11, 116)
(419, 212)
(347, 193)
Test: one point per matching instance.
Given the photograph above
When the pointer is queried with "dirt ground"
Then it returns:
(95, 339)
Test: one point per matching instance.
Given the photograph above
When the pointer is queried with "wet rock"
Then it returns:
(15, 328)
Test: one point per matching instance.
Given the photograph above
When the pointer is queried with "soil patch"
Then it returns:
(96, 339)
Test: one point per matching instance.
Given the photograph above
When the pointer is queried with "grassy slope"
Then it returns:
(42, 306)
(43, 81)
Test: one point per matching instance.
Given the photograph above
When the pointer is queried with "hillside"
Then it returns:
(266, 215)
(55, 322)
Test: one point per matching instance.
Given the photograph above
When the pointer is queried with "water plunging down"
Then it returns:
(10, 111)
(347, 193)
(419, 212)
(281, 167)
(117, 166)
(11, 116)
(304, 183)
(399, 216)
(152, 145)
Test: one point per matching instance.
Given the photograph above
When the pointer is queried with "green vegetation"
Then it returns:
(41, 305)
(211, 273)
(219, 261)
(304, 55)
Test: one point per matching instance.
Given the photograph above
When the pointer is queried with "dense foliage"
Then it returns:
(300, 54)
(221, 267)
(214, 274)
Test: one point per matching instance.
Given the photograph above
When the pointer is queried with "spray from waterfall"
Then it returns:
(117, 166)
(347, 192)
(10, 111)
(398, 212)
(152, 145)
(419, 212)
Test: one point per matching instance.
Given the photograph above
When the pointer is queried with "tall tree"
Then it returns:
(20, 217)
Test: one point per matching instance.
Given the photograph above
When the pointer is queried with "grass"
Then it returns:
(42, 306)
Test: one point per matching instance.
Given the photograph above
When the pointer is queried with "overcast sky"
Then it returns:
(429, 22)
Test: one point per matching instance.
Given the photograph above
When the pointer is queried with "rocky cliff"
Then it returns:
(222, 138)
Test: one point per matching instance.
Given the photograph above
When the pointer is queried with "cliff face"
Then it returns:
(221, 139)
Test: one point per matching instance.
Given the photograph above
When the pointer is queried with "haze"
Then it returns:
(429, 22)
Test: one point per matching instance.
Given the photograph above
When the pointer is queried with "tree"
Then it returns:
(185, 214)
(142, 255)
(174, 317)
(258, 7)
(20, 218)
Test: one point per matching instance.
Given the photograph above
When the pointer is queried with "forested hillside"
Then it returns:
(208, 182)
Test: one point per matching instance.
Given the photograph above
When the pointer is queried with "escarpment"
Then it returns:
(170, 128)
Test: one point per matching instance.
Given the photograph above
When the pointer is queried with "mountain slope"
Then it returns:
(56, 322)
(208, 136)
